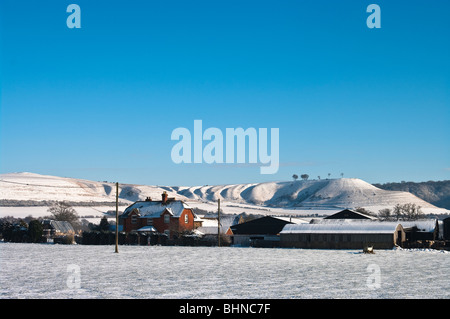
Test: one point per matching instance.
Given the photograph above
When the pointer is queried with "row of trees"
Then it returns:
(306, 176)
(20, 231)
(408, 211)
(30, 229)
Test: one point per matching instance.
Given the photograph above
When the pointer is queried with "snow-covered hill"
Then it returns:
(333, 193)
(35, 187)
(271, 197)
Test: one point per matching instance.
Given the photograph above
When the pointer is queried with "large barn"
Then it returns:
(259, 232)
(355, 235)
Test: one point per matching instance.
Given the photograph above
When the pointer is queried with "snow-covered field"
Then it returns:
(76, 271)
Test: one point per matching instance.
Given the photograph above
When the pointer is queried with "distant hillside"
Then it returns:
(310, 194)
(29, 189)
(436, 193)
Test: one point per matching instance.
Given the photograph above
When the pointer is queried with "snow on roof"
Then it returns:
(293, 220)
(341, 228)
(350, 214)
(428, 225)
(152, 209)
(147, 229)
(61, 226)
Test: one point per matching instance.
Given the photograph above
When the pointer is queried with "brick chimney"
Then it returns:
(164, 197)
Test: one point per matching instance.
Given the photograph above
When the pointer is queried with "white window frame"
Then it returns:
(134, 219)
(149, 221)
(166, 218)
(186, 218)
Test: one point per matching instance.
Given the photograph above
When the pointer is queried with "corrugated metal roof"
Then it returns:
(342, 228)
(61, 226)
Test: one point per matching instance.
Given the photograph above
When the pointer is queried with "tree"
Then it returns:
(64, 212)
(412, 212)
(104, 224)
(304, 176)
(408, 211)
(362, 210)
(35, 231)
(398, 212)
(385, 214)
(295, 177)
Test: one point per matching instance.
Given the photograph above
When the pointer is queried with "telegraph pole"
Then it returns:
(218, 222)
(117, 217)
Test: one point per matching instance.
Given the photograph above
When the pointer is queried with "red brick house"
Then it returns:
(167, 216)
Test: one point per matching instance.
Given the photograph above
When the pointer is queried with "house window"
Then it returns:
(149, 221)
(186, 218)
(133, 219)
(166, 218)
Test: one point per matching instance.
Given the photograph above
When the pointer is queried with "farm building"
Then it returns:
(427, 229)
(55, 228)
(415, 230)
(446, 226)
(350, 214)
(349, 235)
(167, 216)
(259, 232)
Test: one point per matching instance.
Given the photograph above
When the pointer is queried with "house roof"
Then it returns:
(61, 226)
(154, 209)
(369, 227)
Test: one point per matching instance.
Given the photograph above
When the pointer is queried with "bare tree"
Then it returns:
(385, 214)
(64, 212)
(398, 212)
(408, 211)
(412, 212)
(362, 210)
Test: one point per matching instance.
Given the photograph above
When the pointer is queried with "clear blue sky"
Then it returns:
(101, 102)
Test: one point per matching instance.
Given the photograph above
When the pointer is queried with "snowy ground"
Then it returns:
(76, 271)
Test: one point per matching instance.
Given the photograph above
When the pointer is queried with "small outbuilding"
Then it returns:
(423, 230)
(55, 228)
(355, 235)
